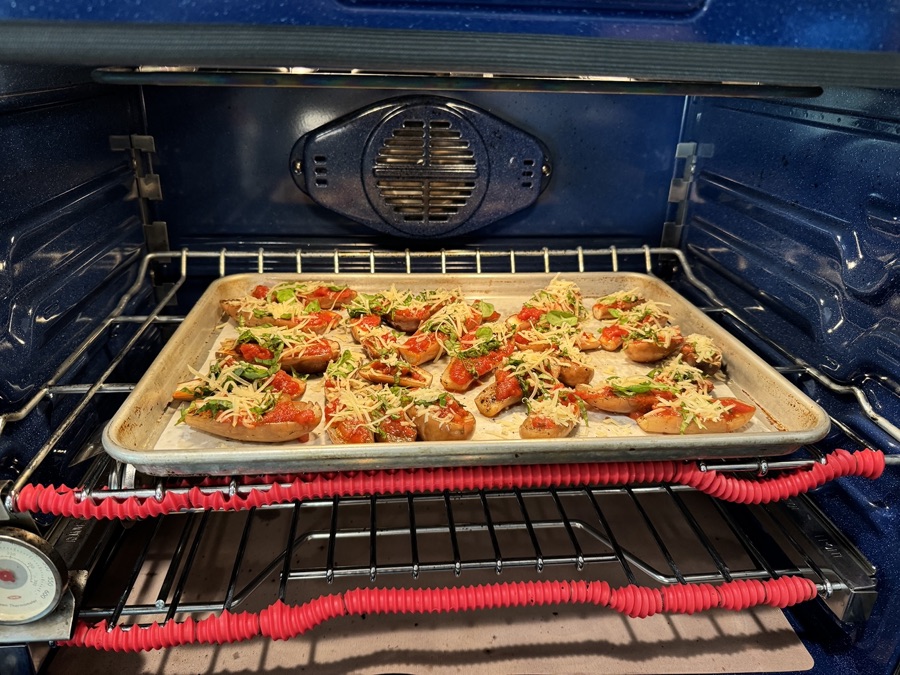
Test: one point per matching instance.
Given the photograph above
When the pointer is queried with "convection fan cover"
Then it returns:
(421, 167)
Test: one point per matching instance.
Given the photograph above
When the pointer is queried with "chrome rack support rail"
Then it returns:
(73, 416)
(336, 258)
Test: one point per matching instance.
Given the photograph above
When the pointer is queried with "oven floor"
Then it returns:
(570, 640)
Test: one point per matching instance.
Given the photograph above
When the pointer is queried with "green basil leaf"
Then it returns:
(484, 333)
(486, 308)
(557, 317)
(284, 295)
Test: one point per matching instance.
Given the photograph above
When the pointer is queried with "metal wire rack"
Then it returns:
(480, 533)
(371, 261)
(198, 563)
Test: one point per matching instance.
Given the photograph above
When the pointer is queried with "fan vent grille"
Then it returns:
(426, 171)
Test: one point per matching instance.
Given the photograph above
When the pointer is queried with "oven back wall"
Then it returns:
(222, 155)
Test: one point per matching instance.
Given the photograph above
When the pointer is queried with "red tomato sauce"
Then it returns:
(458, 373)
(286, 384)
(253, 352)
(542, 423)
(287, 411)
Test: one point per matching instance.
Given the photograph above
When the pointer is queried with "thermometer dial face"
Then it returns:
(32, 576)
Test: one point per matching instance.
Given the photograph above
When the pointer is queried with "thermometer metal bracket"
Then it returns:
(57, 625)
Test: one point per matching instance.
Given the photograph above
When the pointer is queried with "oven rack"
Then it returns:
(193, 564)
(776, 540)
(192, 264)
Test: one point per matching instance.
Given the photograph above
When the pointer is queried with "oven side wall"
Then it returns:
(793, 221)
(70, 237)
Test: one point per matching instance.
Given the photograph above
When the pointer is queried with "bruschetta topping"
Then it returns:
(559, 406)
(453, 320)
(693, 406)
(559, 295)
(487, 338)
(620, 298)
(326, 294)
(392, 300)
(235, 394)
(681, 376)
(646, 312)
(366, 407)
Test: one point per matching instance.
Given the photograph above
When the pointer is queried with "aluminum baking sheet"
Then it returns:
(143, 432)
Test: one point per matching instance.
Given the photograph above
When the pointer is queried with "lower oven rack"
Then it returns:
(803, 541)
(643, 536)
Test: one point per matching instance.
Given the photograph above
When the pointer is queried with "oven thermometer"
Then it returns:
(32, 577)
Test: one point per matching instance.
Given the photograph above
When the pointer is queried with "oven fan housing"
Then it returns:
(421, 167)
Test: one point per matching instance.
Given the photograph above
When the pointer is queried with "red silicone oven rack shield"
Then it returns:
(67, 501)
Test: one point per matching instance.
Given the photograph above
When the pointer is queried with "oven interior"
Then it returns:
(124, 194)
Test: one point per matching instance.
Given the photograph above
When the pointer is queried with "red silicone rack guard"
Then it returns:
(66, 501)
(281, 622)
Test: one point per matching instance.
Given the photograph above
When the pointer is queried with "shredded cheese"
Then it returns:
(693, 406)
(704, 347)
(233, 398)
(564, 339)
(660, 335)
(559, 295)
(677, 373)
(451, 319)
(385, 302)
(366, 406)
(646, 312)
(487, 337)
(632, 295)
(553, 409)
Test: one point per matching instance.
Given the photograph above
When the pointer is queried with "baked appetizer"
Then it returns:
(362, 324)
(639, 394)
(227, 371)
(380, 341)
(523, 374)
(448, 324)
(363, 414)
(691, 412)
(624, 395)
(258, 410)
(291, 348)
(563, 297)
(392, 369)
(701, 352)
(329, 296)
(619, 301)
(647, 315)
(438, 416)
(680, 376)
(476, 354)
(554, 415)
(404, 310)
(651, 343)
(292, 312)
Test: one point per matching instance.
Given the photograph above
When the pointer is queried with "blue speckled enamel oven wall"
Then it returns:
(222, 154)
(794, 220)
(793, 215)
(797, 205)
(826, 24)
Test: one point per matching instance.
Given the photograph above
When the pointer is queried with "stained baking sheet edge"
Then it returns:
(130, 436)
